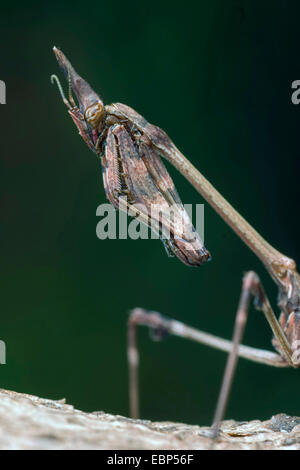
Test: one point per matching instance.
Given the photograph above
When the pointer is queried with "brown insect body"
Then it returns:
(130, 149)
(135, 178)
(289, 302)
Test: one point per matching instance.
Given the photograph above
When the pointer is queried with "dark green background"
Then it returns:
(216, 75)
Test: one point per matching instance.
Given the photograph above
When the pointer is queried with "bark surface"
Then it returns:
(30, 422)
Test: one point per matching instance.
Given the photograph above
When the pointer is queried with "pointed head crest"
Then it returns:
(90, 104)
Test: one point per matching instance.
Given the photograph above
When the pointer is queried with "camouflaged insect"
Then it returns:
(135, 178)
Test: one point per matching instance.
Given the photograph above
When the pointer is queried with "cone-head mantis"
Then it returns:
(130, 149)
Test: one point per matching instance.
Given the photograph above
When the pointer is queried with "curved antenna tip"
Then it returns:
(55, 79)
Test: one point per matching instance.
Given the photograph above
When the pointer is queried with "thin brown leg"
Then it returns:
(157, 324)
(161, 326)
(250, 287)
(133, 364)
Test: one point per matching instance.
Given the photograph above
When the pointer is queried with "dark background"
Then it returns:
(216, 75)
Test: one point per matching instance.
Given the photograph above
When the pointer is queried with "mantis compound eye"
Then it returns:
(94, 113)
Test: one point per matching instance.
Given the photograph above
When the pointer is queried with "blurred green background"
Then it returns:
(216, 75)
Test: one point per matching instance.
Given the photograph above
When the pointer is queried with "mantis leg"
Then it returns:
(162, 326)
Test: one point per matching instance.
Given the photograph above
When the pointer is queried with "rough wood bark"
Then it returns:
(30, 422)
